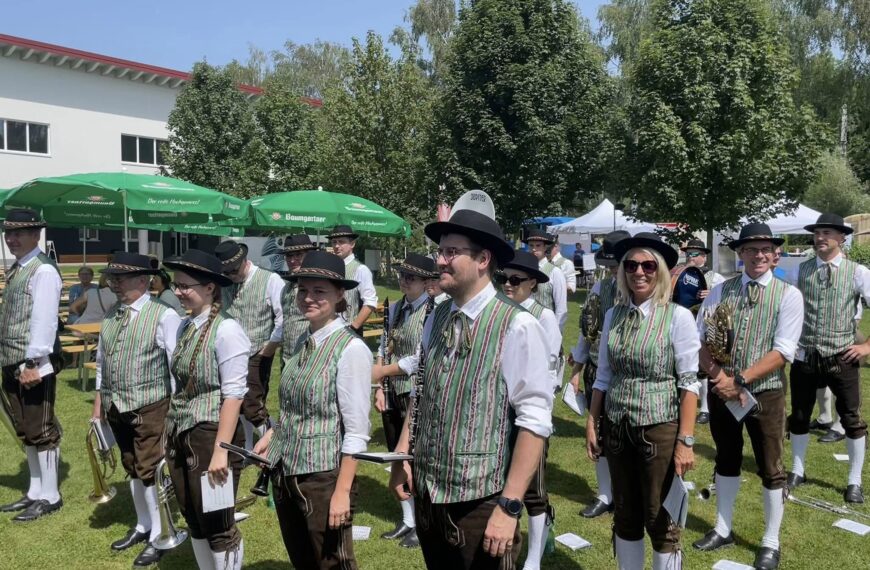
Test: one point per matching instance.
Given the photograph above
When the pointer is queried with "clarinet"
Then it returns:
(386, 339)
(418, 384)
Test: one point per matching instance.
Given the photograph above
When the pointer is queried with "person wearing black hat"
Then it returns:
(484, 409)
(254, 300)
(398, 362)
(519, 279)
(210, 367)
(554, 256)
(296, 247)
(644, 398)
(28, 334)
(325, 398)
(767, 315)
(604, 294)
(134, 385)
(553, 294)
(828, 352)
(362, 301)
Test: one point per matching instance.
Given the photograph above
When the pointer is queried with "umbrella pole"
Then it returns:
(126, 231)
(84, 246)
(3, 250)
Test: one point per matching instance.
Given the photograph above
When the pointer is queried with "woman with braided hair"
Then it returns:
(210, 366)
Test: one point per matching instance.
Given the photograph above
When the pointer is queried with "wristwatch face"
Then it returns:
(514, 507)
(688, 440)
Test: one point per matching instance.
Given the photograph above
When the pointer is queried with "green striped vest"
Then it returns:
(754, 328)
(643, 383)
(536, 309)
(309, 431)
(351, 296)
(406, 340)
(466, 428)
(295, 324)
(135, 372)
(607, 294)
(544, 293)
(829, 308)
(246, 303)
(203, 402)
(15, 312)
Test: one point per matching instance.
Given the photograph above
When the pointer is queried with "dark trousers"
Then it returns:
(188, 455)
(254, 404)
(451, 535)
(32, 410)
(302, 504)
(641, 461)
(766, 433)
(139, 434)
(536, 499)
(844, 380)
(394, 419)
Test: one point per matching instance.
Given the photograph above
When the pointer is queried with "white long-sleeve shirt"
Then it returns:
(274, 291)
(45, 287)
(553, 336)
(366, 287)
(167, 336)
(408, 363)
(560, 293)
(232, 349)
(568, 270)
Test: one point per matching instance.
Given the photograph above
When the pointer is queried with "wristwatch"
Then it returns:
(740, 380)
(687, 440)
(29, 363)
(513, 507)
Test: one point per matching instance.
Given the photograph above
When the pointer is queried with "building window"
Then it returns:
(21, 136)
(143, 150)
(133, 235)
(89, 234)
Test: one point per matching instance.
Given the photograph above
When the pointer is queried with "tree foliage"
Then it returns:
(836, 188)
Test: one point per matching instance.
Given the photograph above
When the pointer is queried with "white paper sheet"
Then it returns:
(690, 485)
(217, 497)
(841, 456)
(575, 401)
(739, 412)
(573, 541)
(677, 502)
(729, 565)
(852, 526)
(361, 532)
(105, 435)
(381, 456)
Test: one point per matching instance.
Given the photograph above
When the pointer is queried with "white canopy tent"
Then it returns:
(602, 219)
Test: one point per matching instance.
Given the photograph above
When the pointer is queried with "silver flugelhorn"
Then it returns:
(169, 537)
(103, 464)
(707, 492)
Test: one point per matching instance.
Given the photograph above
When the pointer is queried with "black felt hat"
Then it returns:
(696, 244)
(605, 256)
(540, 235)
(342, 231)
(832, 221)
(201, 264)
(480, 229)
(297, 243)
(527, 263)
(755, 232)
(417, 264)
(323, 265)
(647, 240)
(23, 218)
(231, 254)
(127, 263)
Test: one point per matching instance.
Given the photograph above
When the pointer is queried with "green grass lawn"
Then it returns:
(79, 536)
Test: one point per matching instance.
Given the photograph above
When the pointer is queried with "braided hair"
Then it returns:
(206, 329)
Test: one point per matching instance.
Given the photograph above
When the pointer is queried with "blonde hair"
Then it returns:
(661, 293)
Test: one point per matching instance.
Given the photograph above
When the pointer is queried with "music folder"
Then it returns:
(381, 456)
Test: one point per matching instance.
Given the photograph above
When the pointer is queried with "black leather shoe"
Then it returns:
(148, 556)
(411, 540)
(832, 437)
(597, 509)
(854, 494)
(703, 418)
(38, 509)
(816, 424)
(712, 541)
(133, 538)
(401, 530)
(766, 559)
(793, 480)
(18, 505)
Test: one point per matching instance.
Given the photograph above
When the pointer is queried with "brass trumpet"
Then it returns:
(103, 465)
(169, 537)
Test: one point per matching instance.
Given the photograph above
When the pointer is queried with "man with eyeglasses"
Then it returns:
(254, 300)
(829, 353)
(553, 294)
(767, 316)
(485, 407)
(362, 301)
(134, 386)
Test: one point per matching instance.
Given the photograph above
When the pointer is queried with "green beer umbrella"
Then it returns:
(317, 211)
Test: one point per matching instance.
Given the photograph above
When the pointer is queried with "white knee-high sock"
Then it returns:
(702, 396)
(629, 554)
(667, 560)
(537, 541)
(602, 473)
(408, 512)
(824, 397)
(838, 426)
(143, 517)
(48, 462)
(856, 449)
(798, 452)
(229, 560)
(774, 507)
(153, 511)
(203, 554)
(726, 494)
(35, 489)
(249, 433)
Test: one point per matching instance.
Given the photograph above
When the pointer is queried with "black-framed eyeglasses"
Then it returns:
(450, 253)
(753, 251)
(513, 280)
(649, 266)
(184, 286)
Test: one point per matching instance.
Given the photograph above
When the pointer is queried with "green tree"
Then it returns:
(214, 140)
(836, 188)
(716, 133)
(433, 22)
(525, 112)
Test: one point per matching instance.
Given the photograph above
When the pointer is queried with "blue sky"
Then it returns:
(176, 34)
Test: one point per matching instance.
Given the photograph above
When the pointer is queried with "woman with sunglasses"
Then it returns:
(325, 399)
(210, 366)
(647, 386)
(519, 280)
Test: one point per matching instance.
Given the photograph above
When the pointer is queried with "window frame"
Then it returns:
(139, 138)
(4, 130)
(89, 234)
